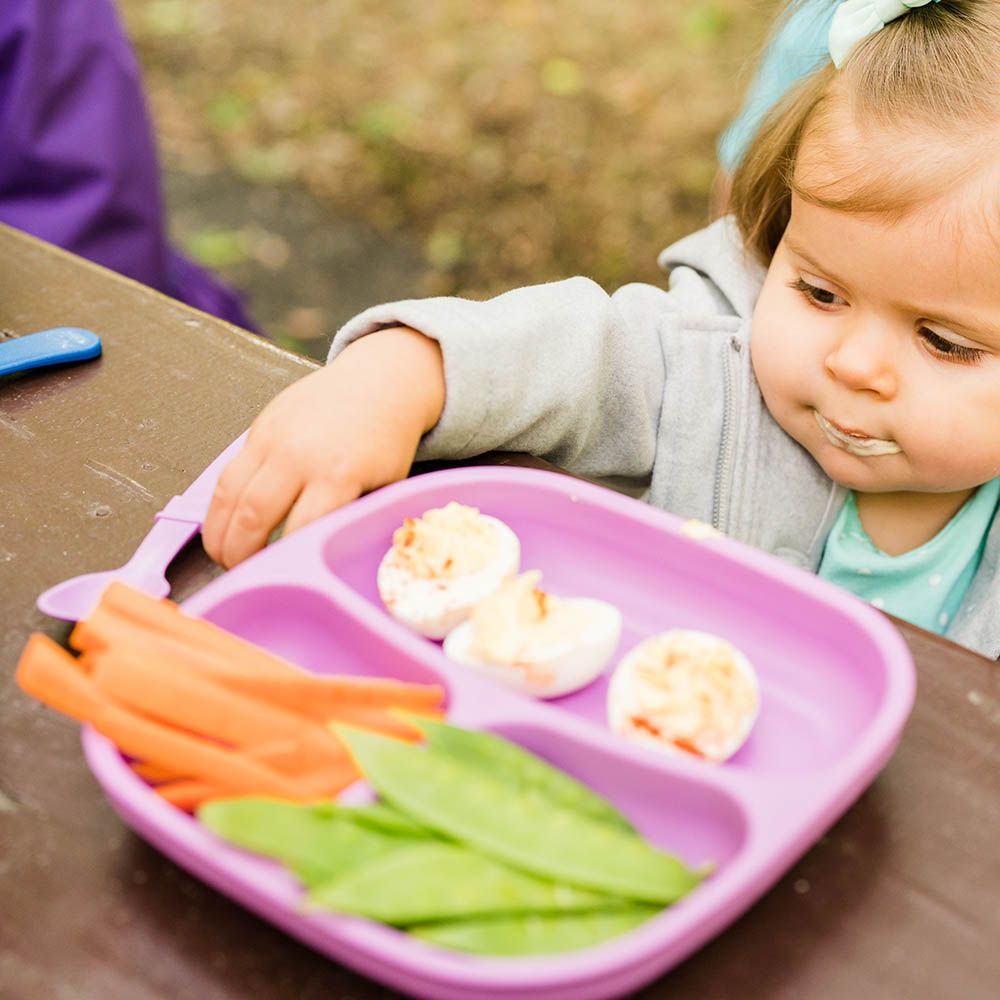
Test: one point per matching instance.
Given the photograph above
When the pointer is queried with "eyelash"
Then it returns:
(810, 292)
(938, 345)
(947, 349)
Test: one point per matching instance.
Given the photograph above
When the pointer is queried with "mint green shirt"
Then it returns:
(924, 586)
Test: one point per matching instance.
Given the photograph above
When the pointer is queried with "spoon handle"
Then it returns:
(174, 526)
(192, 504)
(157, 549)
(183, 515)
(49, 347)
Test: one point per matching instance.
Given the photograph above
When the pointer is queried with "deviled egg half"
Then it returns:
(442, 564)
(534, 642)
(685, 692)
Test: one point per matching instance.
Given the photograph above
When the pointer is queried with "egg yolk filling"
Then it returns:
(445, 543)
(689, 693)
(520, 625)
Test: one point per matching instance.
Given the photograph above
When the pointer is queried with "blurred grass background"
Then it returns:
(326, 154)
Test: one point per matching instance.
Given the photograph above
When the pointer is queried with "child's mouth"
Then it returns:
(853, 442)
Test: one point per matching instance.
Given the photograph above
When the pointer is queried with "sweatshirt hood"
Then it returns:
(718, 255)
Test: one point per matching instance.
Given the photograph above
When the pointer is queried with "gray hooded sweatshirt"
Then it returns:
(650, 391)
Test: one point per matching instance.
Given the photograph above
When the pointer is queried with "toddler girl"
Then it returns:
(821, 378)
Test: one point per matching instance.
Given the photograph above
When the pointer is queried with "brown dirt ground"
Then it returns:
(326, 154)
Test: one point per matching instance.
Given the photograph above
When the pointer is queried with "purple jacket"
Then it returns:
(78, 161)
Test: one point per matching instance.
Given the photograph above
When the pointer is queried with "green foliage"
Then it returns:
(444, 249)
(217, 247)
(229, 111)
(381, 122)
(515, 142)
(172, 17)
(705, 23)
(562, 77)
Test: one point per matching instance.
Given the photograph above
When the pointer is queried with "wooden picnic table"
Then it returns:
(899, 899)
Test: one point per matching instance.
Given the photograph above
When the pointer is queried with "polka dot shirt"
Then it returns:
(924, 586)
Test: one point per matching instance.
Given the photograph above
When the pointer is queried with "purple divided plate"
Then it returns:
(837, 684)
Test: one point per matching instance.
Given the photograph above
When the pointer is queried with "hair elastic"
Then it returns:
(855, 20)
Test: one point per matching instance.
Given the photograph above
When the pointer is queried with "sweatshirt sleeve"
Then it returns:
(562, 371)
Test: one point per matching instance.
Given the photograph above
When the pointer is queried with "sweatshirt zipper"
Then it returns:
(727, 447)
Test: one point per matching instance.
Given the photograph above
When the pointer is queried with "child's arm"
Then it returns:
(335, 434)
(562, 370)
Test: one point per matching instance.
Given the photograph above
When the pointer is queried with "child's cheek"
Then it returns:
(764, 356)
(776, 371)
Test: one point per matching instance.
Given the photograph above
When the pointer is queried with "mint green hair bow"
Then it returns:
(855, 20)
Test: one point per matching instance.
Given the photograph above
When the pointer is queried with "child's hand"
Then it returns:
(337, 433)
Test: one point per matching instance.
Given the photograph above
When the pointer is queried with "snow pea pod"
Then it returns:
(517, 766)
(316, 843)
(440, 881)
(387, 819)
(538, 934)
(518, 826)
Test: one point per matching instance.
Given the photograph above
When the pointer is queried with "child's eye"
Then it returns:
(945, 348)
(822, 298)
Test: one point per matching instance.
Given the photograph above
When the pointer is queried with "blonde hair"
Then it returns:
(934, 71)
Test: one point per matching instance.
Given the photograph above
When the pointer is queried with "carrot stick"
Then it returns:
(306, 759)
(127, 613)
(171, 692)
(152, 774)
(320, 697)
(376, 719)
(317, 697)
(46, 671)
(163, 616)
(169, 747)
(168, 692)
(104, 629)
(179, 693)
(329, 783)
(188, 794)
(285, 756)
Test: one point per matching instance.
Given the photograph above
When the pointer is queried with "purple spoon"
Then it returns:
(174, 526)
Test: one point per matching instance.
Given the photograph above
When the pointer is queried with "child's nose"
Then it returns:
(863, 358)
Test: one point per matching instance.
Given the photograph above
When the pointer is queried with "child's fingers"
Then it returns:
(317, 499)
(227, 493)
(265, 500)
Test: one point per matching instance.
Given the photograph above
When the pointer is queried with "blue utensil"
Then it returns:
(58, 346)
